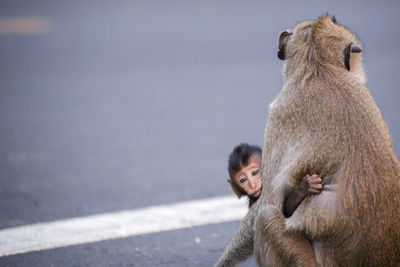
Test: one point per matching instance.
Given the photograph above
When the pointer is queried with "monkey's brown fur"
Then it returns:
(325, 121)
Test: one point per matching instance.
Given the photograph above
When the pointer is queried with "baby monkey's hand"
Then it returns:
(314, 183)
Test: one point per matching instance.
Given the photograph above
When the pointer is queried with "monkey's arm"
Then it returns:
(241, 245)
(309, 185)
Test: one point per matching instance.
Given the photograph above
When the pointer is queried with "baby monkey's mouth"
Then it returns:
(257, 193)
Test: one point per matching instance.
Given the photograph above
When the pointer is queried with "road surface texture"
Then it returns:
(122, 105)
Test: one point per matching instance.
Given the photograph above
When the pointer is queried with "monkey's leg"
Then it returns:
(274, 246)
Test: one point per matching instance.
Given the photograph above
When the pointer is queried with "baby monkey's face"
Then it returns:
(249, 177)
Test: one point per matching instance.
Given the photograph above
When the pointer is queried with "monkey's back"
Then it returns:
(334, 128)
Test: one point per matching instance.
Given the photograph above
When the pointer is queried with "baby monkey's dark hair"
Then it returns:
(239, 158)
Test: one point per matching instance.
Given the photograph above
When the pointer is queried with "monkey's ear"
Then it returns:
(234, 188)
(283, 39)
(347, 53)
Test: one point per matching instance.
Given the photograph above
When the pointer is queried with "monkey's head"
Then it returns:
(244, 167)
(322, 43)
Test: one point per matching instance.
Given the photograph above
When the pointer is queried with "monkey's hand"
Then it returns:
(308, 185)
(313, 183)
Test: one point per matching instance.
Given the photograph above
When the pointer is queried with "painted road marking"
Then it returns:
(24, 25)
(88, 229)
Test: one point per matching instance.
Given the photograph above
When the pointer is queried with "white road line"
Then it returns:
(119, 224)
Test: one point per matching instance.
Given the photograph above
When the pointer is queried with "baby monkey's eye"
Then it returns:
(255, 172)
(244, 179)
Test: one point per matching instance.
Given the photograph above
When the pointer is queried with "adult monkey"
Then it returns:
(324, 121)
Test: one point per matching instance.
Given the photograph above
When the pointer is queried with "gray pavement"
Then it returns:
(128, 104)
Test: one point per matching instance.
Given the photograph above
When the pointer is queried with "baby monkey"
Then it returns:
(244, 167)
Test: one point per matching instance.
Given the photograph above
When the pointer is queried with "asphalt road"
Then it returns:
(127, 104)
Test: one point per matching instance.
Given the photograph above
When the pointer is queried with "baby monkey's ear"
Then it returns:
(347, 54)
(234, 188)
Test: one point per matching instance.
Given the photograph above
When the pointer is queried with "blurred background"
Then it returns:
(112, 105)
